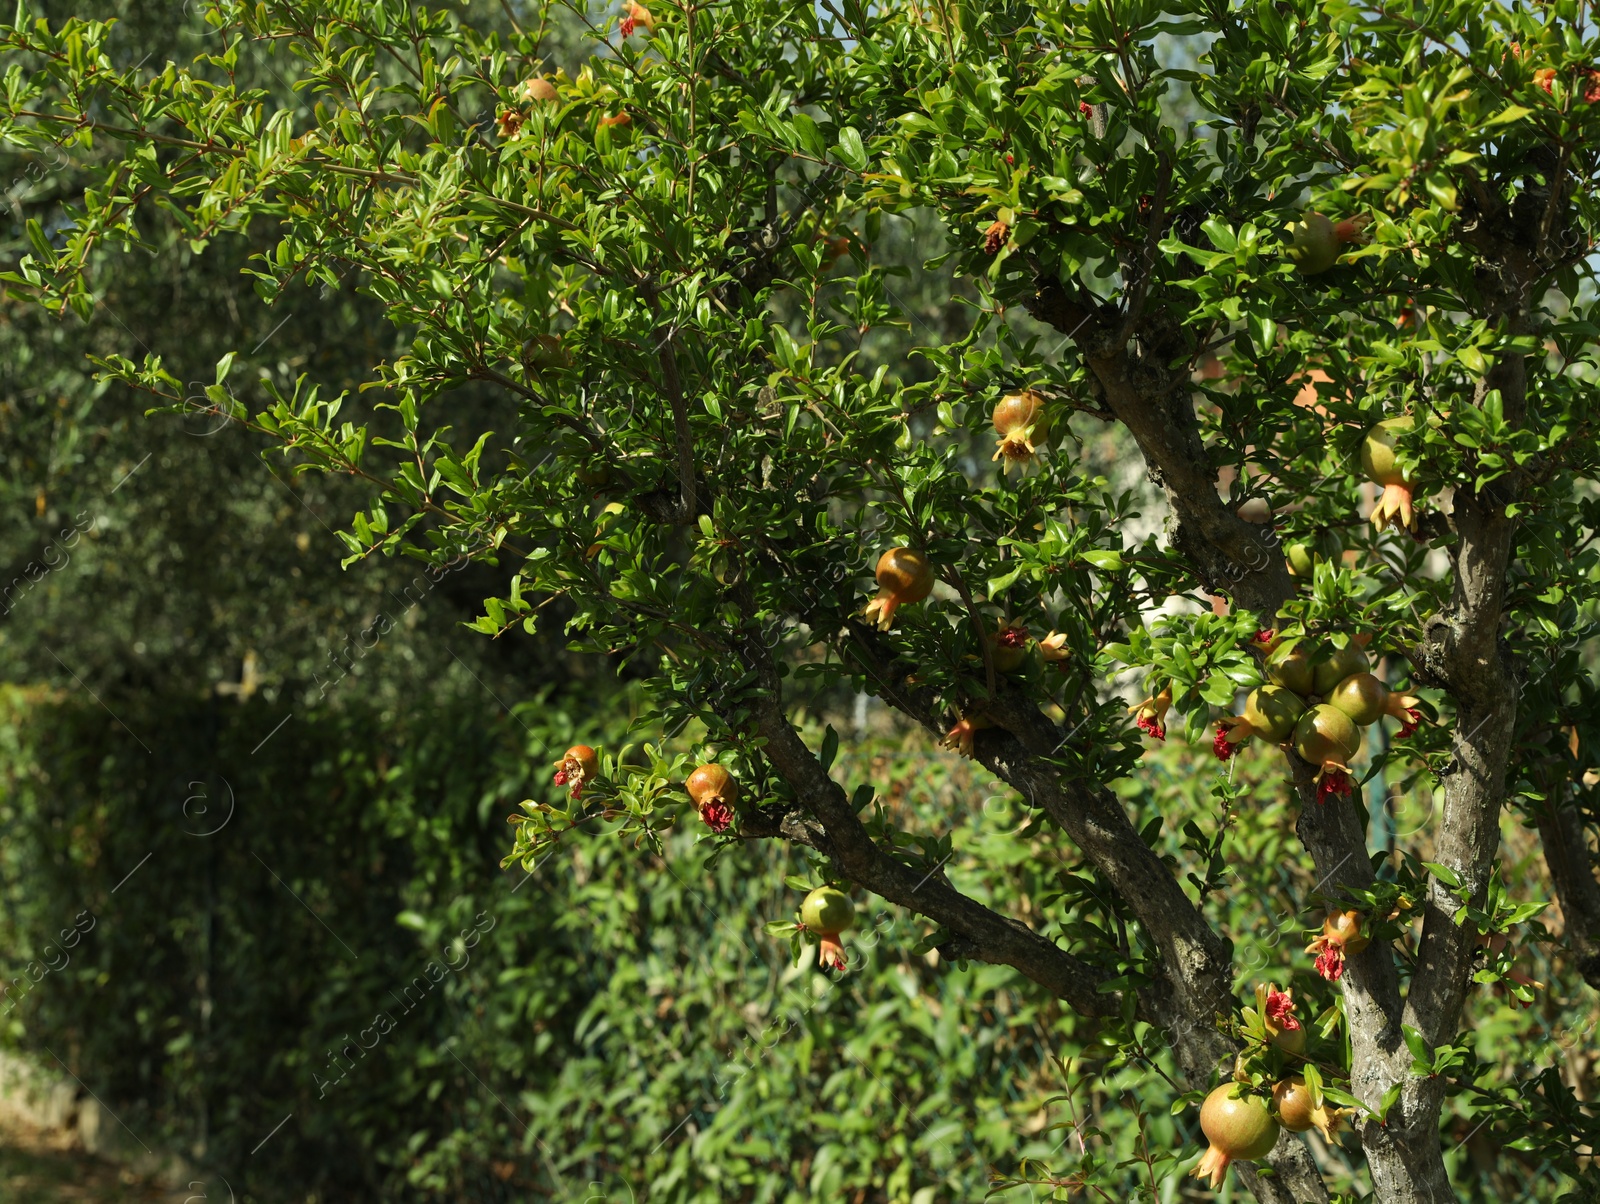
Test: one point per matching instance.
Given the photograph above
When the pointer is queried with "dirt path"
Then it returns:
(41, 1167)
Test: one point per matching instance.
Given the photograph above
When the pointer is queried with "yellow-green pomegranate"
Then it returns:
(1362, 697)
(1238, 1126)
(1333, 665)
(1290, 664)
(1379, 463)
(1326, 736)
(1272, 712)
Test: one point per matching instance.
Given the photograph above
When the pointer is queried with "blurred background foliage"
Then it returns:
(279, 788)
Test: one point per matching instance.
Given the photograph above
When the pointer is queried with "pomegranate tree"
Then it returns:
(661, 316)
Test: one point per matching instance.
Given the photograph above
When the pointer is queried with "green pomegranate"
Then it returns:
(1378, 462)
(1332, 665)
(1315, 240)
(1289, 666)
(1293, 1100)
(1377, 452)
(1272, 712)
(1326, 736)
(827, 912)
(1238, 1126)
(1362, 697)
(1301, 558)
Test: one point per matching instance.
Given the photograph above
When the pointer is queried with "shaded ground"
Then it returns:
(40, 1167)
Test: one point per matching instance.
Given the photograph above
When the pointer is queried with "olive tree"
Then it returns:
(1318, 263)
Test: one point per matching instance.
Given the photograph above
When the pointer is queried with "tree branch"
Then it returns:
(1566, 853)
(840, 836)
(1150, 399)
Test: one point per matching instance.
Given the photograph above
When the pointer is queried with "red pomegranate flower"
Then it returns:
(1333, 782)
(1151, 712)
(1221, 745)
(1280, 1009)
(1341, 935)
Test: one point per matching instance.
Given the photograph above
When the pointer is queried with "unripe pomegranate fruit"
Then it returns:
(1324, 735)
(714, 792)
(1301, 560)
(1239, 1128)
(537, 89)
(615, 121)
(1298, 1110)
(1152, 712)
(1289, 666)
(827, 913)
(1008, 647)
(1341, 937)
(1327, 738)
(1023, 426)
(1292, 1099)
(1362, 697)
(545, 351)
(1332, 665)
(1378, 462)
(903, 576)
(1273, 711)
(577, 765)
(1315, 241)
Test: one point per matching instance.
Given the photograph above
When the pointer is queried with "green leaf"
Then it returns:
(1444, 873)
(1508, 114)
(850, 151)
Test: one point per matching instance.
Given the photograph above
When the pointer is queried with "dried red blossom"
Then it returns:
(1280, 1010)
(1221, 745)
(1334, 782)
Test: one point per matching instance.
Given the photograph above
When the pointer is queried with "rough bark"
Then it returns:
(1571, 865)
